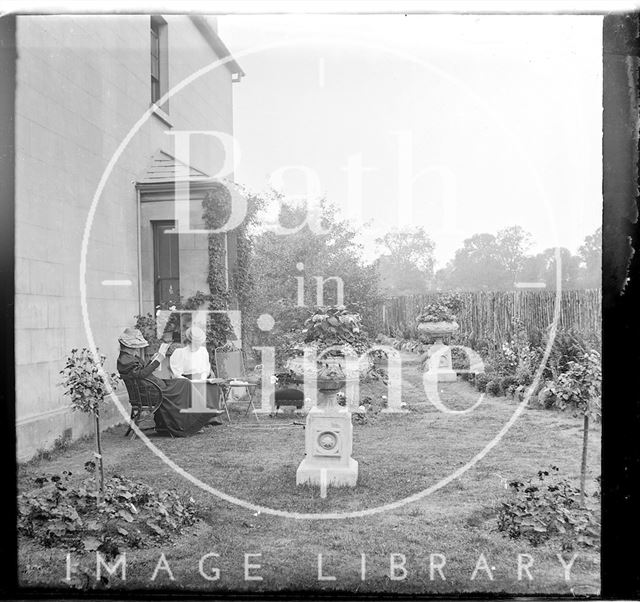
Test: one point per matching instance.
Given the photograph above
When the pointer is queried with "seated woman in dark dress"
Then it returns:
(176, 393)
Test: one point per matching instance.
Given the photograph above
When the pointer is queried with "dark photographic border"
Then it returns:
(620, 315)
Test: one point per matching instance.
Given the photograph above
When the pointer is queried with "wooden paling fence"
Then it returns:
(491, 315)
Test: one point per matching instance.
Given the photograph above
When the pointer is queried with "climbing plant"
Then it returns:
(216, 211)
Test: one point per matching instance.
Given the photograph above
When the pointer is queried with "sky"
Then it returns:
(457, 123)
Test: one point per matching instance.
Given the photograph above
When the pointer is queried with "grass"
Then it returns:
(397, 455)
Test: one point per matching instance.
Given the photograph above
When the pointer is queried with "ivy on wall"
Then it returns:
(216, 211)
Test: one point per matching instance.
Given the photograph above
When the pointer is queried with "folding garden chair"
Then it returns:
(144, 395)
(230, 367)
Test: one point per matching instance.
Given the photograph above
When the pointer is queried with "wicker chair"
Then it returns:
(144, 395)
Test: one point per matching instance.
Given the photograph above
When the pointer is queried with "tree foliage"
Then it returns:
(275, 271)
(496, 262)
(406, 265)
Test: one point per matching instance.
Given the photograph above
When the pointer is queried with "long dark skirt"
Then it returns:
(177, 396)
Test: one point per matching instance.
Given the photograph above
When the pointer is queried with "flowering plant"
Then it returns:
(436, 312)
(443, 310)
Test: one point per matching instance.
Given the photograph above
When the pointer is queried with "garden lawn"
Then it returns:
(398, 455)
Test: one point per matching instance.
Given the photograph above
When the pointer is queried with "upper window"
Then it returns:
(159, 60)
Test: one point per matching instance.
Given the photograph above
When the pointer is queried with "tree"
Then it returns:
(569, 268)
(513, 243)
(487, 261)
(287, 266)
(591, 255)
(477, 265)
(579, 389)
(87, 388)
(406, 266)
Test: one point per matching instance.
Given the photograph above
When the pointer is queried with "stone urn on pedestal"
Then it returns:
(434, 323)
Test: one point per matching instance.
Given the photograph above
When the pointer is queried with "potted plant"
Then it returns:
(438, 319)
(336, 333)
(87, 389)
(331, 377)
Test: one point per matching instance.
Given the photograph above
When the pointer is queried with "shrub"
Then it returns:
(509, 384)
(285, 336)
(481, 381)
(578, 388)
(494, 387)
(459, 359)
(504, 360)
(548, 506)
(369, 410)
(523, 375)
(546, 398)
(568, 346)
(61, 514)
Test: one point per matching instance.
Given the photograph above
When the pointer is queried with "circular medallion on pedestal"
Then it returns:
(327, 440)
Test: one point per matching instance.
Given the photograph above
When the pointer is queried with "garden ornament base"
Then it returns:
(441, 364)
(328, 446)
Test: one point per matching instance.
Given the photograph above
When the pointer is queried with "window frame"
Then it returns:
(156, 226)
(158, 61)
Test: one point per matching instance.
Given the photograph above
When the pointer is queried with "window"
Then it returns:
(166, 263)
(159, 61)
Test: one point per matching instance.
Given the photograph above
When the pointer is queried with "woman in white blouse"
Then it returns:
(192, 361)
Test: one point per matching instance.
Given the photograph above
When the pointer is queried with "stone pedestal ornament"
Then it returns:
(328, 447)
(440, 354)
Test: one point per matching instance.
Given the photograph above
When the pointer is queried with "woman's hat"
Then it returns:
(132, 337)
(196, 335)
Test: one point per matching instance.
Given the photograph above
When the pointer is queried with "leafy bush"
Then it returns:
(481, 345)
(60, 514)
(509, 384)
(505, 360)
(548, 506)
(336, 325)
(83, 382)
(546, 398)
(459, 359)
(568, 346)
(369, 411)
(494, 387)
(523, 375)
(579, 387)
(481, 381)
(286, 335)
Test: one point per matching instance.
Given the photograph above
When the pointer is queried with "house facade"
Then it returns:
(95, 173)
